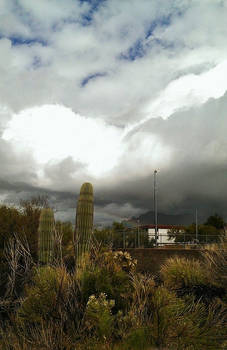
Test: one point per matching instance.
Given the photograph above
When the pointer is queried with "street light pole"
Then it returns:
(155, 209)
(196, 226)
(138, 234)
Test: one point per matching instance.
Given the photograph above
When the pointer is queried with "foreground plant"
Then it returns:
(84, 222)
(46, 297)
(216, 263)
(108, 305)
(99, 319)
(190, 278)
(108, 272)
(46, 236)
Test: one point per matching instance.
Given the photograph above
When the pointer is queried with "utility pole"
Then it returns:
(196, 226)
(138, 234)
(155, 209)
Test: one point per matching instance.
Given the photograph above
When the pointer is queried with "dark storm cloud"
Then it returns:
(16, 167)
(124, 62)
(194, 176)
(196, 173)
(66, 174)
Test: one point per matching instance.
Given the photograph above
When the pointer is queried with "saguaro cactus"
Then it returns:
(84, 221)
(46, 236)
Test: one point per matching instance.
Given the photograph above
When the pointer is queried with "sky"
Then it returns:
(107, 91)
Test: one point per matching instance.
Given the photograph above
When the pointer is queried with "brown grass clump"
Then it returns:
(216, 263)
(178, 273)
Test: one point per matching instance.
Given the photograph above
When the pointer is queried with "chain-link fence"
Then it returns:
(140, 238)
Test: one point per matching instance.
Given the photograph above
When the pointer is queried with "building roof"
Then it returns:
(168, 227)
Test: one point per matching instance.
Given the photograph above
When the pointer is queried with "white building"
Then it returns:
(162, 234)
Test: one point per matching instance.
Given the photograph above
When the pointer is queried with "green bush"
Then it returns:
(143, 290)
(175, 324)
(179, 273)
(165, 311)
(46, 296)
(116, 285)
(190, 277)
(138, 339)
(106, 304)
(109, 273)
(99, 320)
(216, 263)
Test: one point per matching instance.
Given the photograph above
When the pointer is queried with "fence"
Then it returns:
(137, 238)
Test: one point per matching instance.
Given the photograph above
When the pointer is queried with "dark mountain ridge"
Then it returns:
(164, 219)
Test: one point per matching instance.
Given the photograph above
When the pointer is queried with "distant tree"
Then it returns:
(119, 236)
(111, 235)
(10, 224)
(104, 236)
(206, 234)
(183, 234)
(118, 226)
(22, 221)
(215, 221)
(39, 201)
(31, 210)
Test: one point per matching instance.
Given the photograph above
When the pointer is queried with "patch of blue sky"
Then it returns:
(160, 22)
(17, 40)
(30, 23)
(37, 62)
(94, 6)
(90, 77)
(140, 47)
(138, 50)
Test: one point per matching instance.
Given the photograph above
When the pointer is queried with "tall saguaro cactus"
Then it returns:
(84, 221)
(46, 236)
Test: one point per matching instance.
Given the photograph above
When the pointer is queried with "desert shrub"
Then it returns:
(165, 310)
(52, 311)
(45, 336)
(46, 296)
(143, 289)
(137, 339)
(115, 285)
(154, 310)
(115, 261)
(179, 273)
(200, 327)
(99, 320)
(176, 324)
(108, 273)
(160, 319)
(189, 277)
(19, 264)
(216, 263)
(4, 272)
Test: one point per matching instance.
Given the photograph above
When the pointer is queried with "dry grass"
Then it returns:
(216, 262)
(178, 273)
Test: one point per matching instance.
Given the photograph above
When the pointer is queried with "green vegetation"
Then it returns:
(84, 222)
(46, 236)
(212, 231)
(44, 297)
(119, 236)
(103, 302)
(215, 221)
